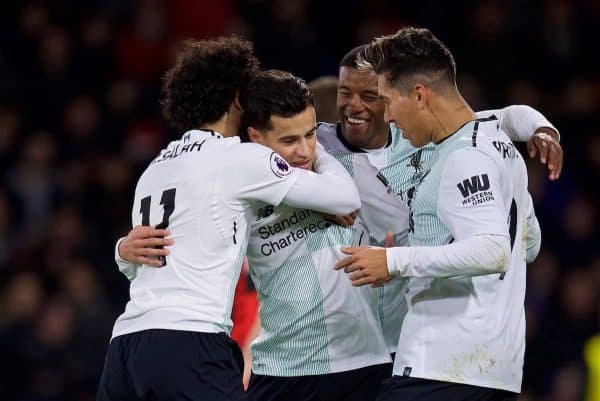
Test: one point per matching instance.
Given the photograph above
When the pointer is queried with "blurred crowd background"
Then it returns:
(80, 118)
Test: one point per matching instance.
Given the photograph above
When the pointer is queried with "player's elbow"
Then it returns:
(534, 239)
(345, 200)
(533, 249)
(498, 250)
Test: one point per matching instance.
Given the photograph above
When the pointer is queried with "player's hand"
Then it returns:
(545, 144)
(344, 221)
(144, 245)
(365, 265)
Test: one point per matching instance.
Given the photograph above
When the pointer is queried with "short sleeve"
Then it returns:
(470, 198)
(261, 175)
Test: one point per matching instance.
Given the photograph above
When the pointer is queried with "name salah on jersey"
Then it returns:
(178, 150)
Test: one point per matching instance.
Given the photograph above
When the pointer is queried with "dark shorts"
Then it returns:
(400, 388)
(353, 385)
(172, 365)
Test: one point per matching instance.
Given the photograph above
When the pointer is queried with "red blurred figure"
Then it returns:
(244, 314)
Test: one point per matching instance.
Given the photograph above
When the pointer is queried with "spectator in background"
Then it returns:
(324, 90)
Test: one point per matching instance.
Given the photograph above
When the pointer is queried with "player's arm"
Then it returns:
(521, 122)
(475, 216)
(534, 233)
(268, 178)
(481, 241)
(128, 269)
(142, 246)
(525, 124)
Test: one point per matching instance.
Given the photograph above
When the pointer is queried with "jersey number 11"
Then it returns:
(167, 200)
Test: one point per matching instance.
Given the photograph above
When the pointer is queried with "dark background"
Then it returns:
(80, 118)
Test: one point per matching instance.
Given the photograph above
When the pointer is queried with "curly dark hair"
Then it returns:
(272, 92)
(205, 79)
(410, 52)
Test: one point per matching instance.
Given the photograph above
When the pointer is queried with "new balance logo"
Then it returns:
(475, 184)
(264, 212)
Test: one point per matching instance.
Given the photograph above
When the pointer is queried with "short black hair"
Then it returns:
(352, 57)
(410, 52)
(206, 77)
(272, 92)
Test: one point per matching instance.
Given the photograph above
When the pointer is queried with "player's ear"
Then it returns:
(420, 95)
(237, 104)
(254, 135)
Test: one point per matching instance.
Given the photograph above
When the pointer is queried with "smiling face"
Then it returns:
(294, 138)
(360, 110)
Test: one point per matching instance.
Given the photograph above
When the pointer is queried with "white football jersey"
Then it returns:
(401, 167)
(469, 329)
(205, 189)
(396, 168)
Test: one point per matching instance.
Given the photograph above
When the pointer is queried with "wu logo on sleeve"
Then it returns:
(476, 190)
(475, 184)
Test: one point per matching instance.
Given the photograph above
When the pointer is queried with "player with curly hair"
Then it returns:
(172, 342)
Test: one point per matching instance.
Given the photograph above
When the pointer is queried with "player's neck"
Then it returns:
(217, 126)
(380, 140)
(449, 114)
(232, 127)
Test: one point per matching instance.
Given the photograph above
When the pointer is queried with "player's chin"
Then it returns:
(357, 135)
(305, 165)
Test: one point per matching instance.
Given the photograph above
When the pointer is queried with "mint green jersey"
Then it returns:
(313, 320)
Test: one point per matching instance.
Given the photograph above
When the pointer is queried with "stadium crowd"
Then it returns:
(80, 119)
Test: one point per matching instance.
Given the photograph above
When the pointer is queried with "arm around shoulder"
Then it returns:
(330, 190)
(520, 122)
(534, 234)
(128, 269)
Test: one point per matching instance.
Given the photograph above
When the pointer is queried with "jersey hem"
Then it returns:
(199, 328)
(347, 366)
(444, 378)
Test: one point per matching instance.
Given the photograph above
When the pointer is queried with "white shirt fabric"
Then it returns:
(206, 190)
(400, 167)
(465, 321)
(382, 177)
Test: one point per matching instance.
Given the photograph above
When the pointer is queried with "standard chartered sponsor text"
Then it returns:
(287, 234)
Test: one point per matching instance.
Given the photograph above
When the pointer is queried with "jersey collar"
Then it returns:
(356, 149)
(483, 119)
(203, 132)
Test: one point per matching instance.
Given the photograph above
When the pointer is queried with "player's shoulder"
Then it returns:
(257, 158)
(490, 139)
(324, 129)
(475, 136)
(251, 149)
(327, 134)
